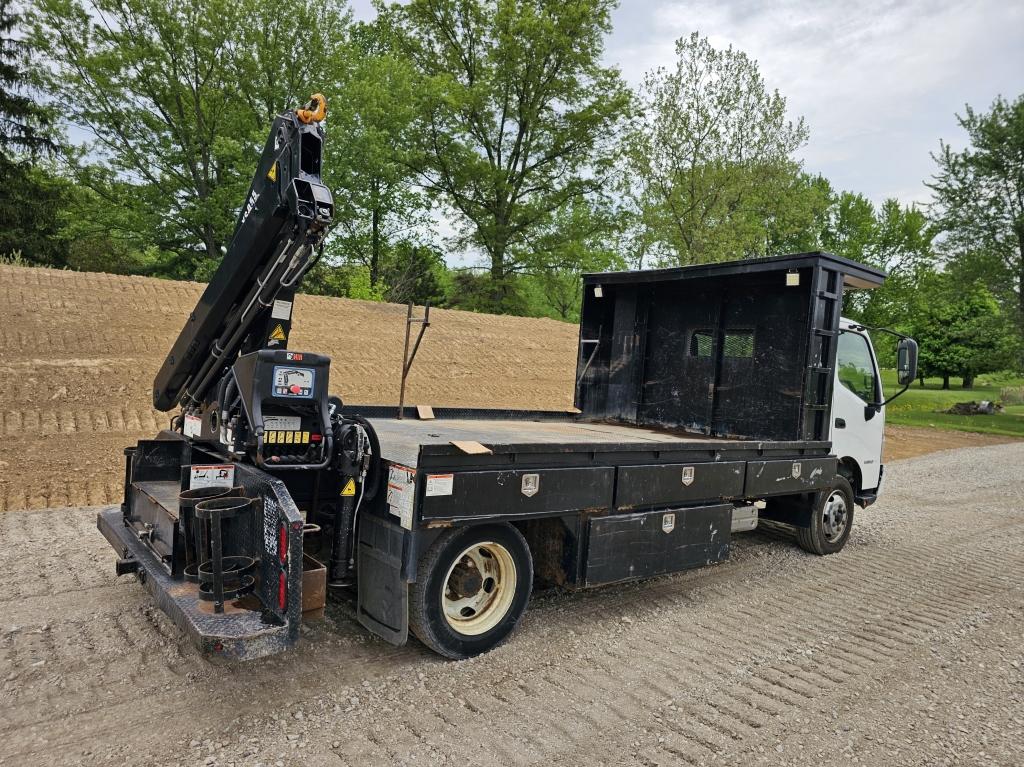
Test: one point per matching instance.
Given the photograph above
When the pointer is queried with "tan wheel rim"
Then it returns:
(479, 588)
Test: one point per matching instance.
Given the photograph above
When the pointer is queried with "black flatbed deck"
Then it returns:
(543, 438)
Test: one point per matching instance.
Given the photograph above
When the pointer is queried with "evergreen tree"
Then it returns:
(30, 197)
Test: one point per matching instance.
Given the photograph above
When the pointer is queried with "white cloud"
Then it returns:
(878, 82)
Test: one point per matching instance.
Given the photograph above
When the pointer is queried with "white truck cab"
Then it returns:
(858, 406)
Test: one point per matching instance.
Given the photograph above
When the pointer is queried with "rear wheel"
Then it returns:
(471, 590)
(831, 520)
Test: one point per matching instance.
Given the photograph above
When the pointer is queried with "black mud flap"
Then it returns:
(383, 602)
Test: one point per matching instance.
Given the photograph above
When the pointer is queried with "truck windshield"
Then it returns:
(856, 367)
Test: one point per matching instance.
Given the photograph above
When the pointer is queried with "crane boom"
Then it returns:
(279, 229)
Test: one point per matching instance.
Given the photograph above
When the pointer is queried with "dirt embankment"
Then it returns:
(78, 353)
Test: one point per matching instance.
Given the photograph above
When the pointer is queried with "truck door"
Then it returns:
(857, 431)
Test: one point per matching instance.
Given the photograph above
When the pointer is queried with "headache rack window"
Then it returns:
(702, 343)
(739, 344)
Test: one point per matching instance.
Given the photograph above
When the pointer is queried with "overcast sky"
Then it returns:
(878, 82)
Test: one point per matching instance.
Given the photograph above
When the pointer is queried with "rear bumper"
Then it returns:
(235, 634)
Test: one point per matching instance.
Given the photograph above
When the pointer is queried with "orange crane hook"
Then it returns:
(314, 111)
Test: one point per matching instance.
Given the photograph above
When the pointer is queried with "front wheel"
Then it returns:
(471, 590)
(831, 520)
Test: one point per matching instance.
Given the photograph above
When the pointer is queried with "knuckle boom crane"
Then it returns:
(194, 510)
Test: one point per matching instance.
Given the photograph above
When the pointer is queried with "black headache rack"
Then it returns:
(243, 514)
(739, 349)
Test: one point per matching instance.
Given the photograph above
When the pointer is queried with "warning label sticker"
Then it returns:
(277, 334)
(440, 484)
(214, 475)
(193, 426)
(350, 487)
(401, 493)
(282, 310)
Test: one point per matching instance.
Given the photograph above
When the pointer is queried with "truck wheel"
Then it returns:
(831, 520)
(471, 590)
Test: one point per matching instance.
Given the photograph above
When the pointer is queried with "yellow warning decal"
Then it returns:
(305, 438)
(350, 487)
(278, 334)
(288, 436)
(271, 437)
(273, 172)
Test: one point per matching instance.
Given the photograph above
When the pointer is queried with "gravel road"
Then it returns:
(905, 649)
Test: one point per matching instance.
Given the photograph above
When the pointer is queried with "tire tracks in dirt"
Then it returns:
(707, 666)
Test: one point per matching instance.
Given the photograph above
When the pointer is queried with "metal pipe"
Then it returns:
(407, 359)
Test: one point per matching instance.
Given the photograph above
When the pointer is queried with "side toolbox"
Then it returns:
(802, 475)
(626, 546)
(676, 484)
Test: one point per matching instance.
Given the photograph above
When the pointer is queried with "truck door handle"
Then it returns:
(840, 423)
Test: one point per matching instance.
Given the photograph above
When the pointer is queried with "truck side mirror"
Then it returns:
(906, 361)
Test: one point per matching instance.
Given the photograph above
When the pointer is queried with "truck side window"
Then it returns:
(701, 343)
(856, 368)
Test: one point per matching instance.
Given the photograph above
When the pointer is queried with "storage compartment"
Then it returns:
(678, 483)
(626, 546)
(744, 349)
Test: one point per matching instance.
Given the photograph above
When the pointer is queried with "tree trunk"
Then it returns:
(945, 380)
(375, 238)
(1020, 275)
(210, 243)
(498, 276)
(968, 381)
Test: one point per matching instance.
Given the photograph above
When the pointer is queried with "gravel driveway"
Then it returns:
(905, 649)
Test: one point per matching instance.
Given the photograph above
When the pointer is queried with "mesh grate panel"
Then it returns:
(739, 343)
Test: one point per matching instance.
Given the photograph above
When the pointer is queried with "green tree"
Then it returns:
(378, 202)
(32, 196)
(516, 116)
(579, 238)
(978, 195)
(178, 96)
(893, 237)
(24, 123)
(961, 329)
(710, 159)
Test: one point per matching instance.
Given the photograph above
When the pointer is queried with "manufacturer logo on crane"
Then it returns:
(250, 205)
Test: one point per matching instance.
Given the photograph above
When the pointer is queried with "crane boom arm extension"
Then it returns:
(283, 222)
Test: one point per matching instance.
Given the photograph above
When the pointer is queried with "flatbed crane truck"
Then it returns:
(707, 398)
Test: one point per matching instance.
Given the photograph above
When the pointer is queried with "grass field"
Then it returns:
(923, 406)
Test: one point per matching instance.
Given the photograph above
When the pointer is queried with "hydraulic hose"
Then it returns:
(374, 474)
